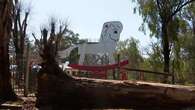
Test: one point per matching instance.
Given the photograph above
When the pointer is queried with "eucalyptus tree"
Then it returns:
(188, 16)
(161, 17)
(155, 57)
(129, 49)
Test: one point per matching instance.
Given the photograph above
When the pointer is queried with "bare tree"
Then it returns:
(19, 34)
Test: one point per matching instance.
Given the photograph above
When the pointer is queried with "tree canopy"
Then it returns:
(163, 20)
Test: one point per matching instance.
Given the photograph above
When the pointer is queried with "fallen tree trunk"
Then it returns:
(58, 92)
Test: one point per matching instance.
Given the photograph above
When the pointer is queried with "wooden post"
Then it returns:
(118, 61)
(27, 71)
(141, 76)
(173, 78)
(173, 73)
(114, 74)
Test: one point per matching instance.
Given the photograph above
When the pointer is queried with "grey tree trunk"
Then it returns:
(6, 92)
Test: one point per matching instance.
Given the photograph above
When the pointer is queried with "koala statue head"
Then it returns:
(111, 31)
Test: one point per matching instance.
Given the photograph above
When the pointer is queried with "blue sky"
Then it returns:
(86, 17)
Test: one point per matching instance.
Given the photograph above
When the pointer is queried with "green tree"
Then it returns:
(189, 14)
(155, 57)
(129, 49)
(187, 47)
(161, 16)
(68, 39)
(153, 60)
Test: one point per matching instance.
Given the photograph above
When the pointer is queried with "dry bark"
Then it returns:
(62, 91)
(6, 92)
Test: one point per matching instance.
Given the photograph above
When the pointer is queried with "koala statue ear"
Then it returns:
(119, 26)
